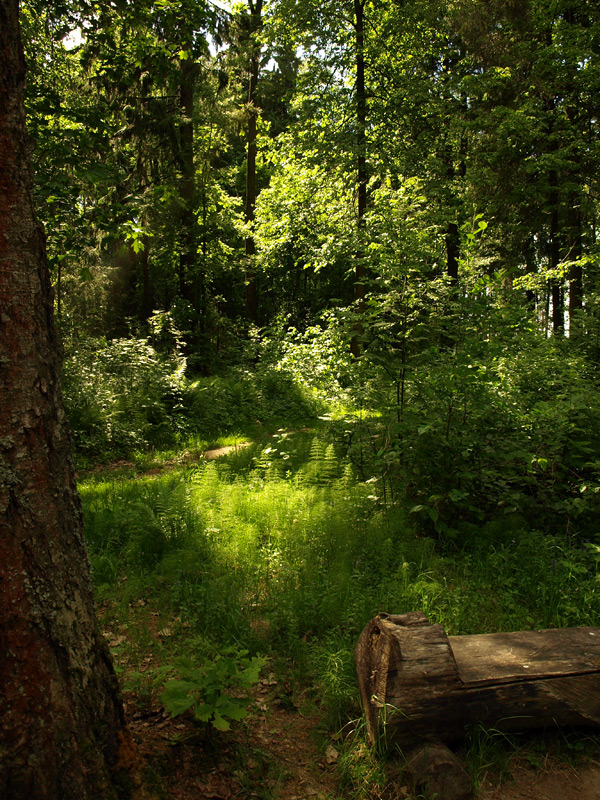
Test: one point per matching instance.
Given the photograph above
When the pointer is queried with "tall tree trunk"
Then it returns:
(121, 294)
(576, 271)
(452, 252)
(62, 732)
(452, 234)
(187, 254)
(147, 302)
(531, 269)
(255, 9)
(558, 316)
(362, 175)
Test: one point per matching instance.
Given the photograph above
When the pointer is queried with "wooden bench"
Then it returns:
(419, 685)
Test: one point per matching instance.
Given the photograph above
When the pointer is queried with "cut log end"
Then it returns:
(373, 655)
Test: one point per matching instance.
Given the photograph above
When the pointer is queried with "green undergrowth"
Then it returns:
(125, 396)
(279, 549)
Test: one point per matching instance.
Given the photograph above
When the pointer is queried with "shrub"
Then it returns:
(122, 394)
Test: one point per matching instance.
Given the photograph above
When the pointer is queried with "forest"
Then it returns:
(327, 278)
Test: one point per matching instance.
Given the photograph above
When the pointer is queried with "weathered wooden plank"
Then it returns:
(419, 684)
(499, 657)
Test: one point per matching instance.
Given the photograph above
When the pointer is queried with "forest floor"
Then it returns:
(280, 753)
(283, 749)
(553, 782)
(274, 755)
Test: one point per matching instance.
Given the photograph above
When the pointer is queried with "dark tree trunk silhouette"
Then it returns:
(189, 224)
(251, 191)
(362, 175)
(558, 315)
(575, 253)
(452, 251)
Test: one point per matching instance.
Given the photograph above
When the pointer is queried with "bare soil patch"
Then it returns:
(553, 782)
(274, 753)
(217, 452)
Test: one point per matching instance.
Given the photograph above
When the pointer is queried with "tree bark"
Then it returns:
(417, 684)
(575, 253)
(452, 252)
(121, 294)
(147, 304)
(62, 732)
(531, 269)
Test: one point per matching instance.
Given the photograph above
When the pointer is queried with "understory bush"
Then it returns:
(122, 394)
(246, 398)
(488, 434)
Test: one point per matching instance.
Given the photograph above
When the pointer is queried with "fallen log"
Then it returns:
(417, 684)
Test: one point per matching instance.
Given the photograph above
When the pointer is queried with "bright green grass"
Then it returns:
(280, 549)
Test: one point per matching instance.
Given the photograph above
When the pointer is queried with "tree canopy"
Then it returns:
(417, 179)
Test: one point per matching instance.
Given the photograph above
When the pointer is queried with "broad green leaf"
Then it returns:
(220, 723)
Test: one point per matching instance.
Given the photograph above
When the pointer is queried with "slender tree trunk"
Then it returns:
(362, 175)
(147, 304)
(452, 237)
(531, 270)
(251, 192)
(558, 316)
(121, 295)
(576, 178)
(187, 254)
(452, 241)
(452, 252)
(62, 732)
(575, 252)
(202, 288)
(59, 290)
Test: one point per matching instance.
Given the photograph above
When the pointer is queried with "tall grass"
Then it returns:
(280, 549)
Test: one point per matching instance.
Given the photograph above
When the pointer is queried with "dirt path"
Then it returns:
(556, 782)
(211, 455)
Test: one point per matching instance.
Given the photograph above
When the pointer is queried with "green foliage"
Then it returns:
(133, 394)
(362, 770)
(456, 464)
(121, 395)
(290, 552)
(317, 358)
(136, 525)
(246, 398)
(489, 750)
(212, 690)
(493, 422)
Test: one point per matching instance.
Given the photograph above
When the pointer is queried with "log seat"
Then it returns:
(419, 685)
